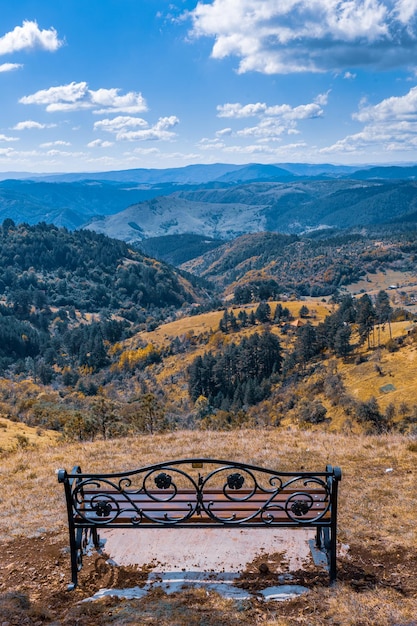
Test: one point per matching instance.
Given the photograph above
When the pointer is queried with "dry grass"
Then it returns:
(369, 379)
(376, 521)
(390, 377)
(15, 435)
(383, 280)
(371, 497)
(206, 322)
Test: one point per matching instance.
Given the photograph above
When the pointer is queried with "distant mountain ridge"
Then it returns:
(190, 174)
(292, 208)
(217, 200)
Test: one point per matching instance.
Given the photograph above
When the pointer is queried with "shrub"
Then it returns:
(312, 412)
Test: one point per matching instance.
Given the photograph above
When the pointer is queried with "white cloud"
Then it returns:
(29, 124)
(146, 151)
(159, 132)
(71, 93)
(394, 108)
(49, 144)
(10, 67)
(323, 98)
(29, 36)
(349, 76)
(285, 111)
(119, 123)
(267, 152)
(301, 112)
(237, 110)
(224, 132)
(285, 36)
(77, 96)
(111, 101)
(390, 125)
(8, 139)
(210, 144)
(268, 128)
(274, 121)
(27, 156)
(122, 126)
(99, 143)
(63, 153)
(405, 10)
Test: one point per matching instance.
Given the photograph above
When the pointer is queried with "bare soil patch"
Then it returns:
(35, 572)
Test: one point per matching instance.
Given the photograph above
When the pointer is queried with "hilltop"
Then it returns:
(376, 563)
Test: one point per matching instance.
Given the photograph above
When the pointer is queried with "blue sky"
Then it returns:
(94, 85)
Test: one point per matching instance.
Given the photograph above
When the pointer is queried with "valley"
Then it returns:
(212, 336)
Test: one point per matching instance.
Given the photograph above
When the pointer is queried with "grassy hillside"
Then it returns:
(152, 369)
(98, 340)
(18, 436)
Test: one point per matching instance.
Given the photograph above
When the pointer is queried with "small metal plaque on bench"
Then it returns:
(197, 465)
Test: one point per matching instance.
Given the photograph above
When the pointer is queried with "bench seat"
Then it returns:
(183, 508)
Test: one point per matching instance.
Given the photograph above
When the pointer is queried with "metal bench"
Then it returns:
(178, 494)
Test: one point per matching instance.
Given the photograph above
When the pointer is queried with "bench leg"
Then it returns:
(332, 555)
(326, 539)
(318, 537)
(76, 549)
(96, 538)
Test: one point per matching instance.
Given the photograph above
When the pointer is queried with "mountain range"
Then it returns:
(219, 201)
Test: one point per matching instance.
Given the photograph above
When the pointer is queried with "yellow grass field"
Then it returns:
(15, 435)
(207, 322)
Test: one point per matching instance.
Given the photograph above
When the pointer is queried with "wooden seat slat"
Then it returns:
(279, 517)
(210, 504)
(216, 506)
(218, 493)
(207, 496)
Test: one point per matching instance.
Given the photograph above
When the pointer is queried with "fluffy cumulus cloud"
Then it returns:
(137, 129)
(120, 123)
(285, 111)
(29, 36)
(394, 109)
(390, 125)
(77, 96)
(285, 36)
(109, 100)
(271, 121)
